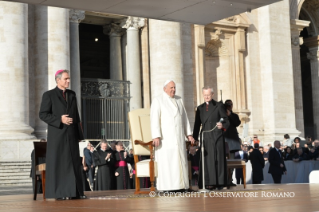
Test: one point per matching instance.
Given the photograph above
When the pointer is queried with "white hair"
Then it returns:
(168, 81)
(207, 88)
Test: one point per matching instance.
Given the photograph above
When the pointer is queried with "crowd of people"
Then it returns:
(291, 149)
(109, 167)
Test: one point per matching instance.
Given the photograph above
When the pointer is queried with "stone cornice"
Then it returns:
(298, 25)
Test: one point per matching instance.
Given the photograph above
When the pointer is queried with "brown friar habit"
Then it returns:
(63, 169)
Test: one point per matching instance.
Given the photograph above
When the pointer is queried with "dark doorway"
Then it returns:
(94, 52)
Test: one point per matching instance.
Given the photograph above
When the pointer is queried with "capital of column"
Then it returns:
(114, 30)
(296, 40)
(76, 16)
(133, 22)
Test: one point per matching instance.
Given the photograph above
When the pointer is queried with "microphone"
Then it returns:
(221, 120)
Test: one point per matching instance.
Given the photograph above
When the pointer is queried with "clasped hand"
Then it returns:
(108, 156)
(65, 119)
(219, 125)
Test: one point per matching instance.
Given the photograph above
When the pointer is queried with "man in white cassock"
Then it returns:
(170, 127)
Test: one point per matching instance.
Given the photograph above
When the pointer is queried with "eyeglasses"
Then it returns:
(255, 137)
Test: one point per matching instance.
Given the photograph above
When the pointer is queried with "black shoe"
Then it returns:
(62, 198)
(78, 197)
(233, 184)
(219, 187)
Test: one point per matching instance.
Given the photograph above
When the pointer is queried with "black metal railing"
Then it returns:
(105, 104)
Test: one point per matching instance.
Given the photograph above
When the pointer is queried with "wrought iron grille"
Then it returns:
(105, 104)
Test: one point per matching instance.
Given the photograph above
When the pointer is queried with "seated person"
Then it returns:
(300, 156)
(288, 153)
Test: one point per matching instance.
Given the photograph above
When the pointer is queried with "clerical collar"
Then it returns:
(61, 89)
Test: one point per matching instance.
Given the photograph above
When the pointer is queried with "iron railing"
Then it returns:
(105, 104)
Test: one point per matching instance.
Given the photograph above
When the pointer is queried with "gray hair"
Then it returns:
(59, 75)
(103, 141)
(207, 88)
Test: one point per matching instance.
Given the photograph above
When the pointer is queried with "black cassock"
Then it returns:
(214, 143)
(120, 163)
(105, 170)
(63, 169)
(195, 166)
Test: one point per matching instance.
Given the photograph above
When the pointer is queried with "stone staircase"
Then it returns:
(15, 173)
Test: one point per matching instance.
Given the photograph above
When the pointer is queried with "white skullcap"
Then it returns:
(168, 81)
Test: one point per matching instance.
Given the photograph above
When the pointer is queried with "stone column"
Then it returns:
(277, 89)
(240, 103)
(166, 59)
(14, 76)
(58, 42)
(145, 66)
(133, 65)
(313, 56)
(296, 26)
(199, 39)
(115, 32)
(75, 18)
(51, 54)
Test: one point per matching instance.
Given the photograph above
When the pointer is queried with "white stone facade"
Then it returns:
(254, 58)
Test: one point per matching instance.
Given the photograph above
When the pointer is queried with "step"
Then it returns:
(14, 167)
(2, 174)
(29, 180)
(14, 163)
(15, 170)
(16, 184)
(13, 178)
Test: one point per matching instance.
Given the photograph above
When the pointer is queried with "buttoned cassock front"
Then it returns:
(169, 122)
(63, 164)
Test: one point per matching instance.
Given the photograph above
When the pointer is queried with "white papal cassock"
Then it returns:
(169, 122)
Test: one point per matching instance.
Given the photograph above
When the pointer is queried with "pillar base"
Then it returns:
(13, 131)
(16, 150)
